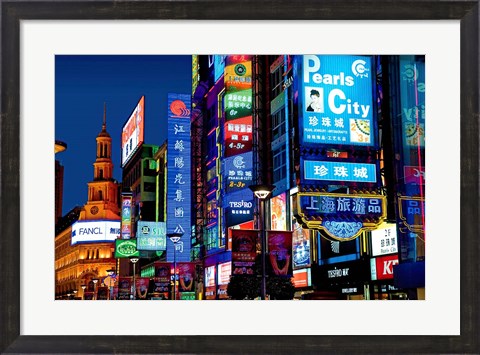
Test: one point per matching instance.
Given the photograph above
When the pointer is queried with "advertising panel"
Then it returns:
(339, 171)
(412, 98)
(302, 278)
(141, 287)
(336, 97)
(126, 248)
(186, 276)
(162, 279)
(124, 288)
(133, 131)
(342, 216)
(279, 212)
(382, 267)
(384, 241)
(238, 207)
(237, 162)
(210, 276)
(238, 171)
(351, 272)
(179, 175)
(412, 213)
(224, 273)
(238, 104)
(126, 217)
(95, 231)
(218, 66)
(238, 136)
(151, 235)
(280, 252)
(300, 246)
(244, 251)
(238, 72)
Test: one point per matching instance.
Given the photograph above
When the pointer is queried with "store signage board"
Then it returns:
(342, 216)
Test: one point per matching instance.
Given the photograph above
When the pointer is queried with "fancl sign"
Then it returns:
(95, 231)
(337, 100)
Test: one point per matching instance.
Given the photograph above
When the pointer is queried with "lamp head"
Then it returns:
(134, 260)
(262, 191)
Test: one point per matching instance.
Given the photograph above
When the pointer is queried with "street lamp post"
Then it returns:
(95, 287)
(134, 261)
(262, 192)
(110, 273)
(175, 238)
(83, 289)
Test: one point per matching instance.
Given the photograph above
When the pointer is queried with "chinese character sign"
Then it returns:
(238, 136)
(412, 98)
(133, 132)
(179, 175)
(244, 251)
(339, 171)
(336, 97)
(126, 223)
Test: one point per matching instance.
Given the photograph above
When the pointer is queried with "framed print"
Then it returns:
(445, 320)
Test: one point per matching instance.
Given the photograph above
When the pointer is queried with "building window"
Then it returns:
(277, 81)
(279, 164)
(278, 124)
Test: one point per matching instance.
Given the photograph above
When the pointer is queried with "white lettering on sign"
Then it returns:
(338, 273)
(343, 104)
(388, 266)
(311, 64)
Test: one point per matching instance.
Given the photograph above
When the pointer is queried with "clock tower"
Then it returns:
(103, 193)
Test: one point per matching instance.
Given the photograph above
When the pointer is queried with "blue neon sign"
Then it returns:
(179, 176)
(339, 171)
(336, 97)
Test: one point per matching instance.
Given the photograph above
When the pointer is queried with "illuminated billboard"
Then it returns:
(412, 99)
(339, 171)
(95, 231)
(151, 235)
(384, 241)
(336, 100)
(133, 132)
(224, 273)
(126, 248)
(179, 176)
(126, 217)
(237, 159)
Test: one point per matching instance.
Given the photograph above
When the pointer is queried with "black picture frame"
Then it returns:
(12, 12)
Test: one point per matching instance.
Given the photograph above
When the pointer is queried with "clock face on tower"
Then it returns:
(94, 210)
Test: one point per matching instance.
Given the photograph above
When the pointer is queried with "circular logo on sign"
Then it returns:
(94, 210)
(179, 108)
(240, 69)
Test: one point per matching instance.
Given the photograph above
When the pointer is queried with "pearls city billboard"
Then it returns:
(338, 106)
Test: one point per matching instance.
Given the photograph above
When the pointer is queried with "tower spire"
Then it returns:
(104, 126)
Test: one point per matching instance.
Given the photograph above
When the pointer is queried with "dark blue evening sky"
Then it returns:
(84, 83)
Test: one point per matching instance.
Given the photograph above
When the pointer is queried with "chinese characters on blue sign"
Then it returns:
(179, 175)
(151, 235)
(339, 171)
(337, 102)
(343, 217)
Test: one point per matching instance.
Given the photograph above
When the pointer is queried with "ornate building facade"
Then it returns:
(85, 237)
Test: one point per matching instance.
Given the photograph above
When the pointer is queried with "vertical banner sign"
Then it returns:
(141, 287)
(244, 251)
(279, 212)
(336, 97)
(162, 278)
(126, 227)
(412, 98)
(280, 252)
(186, 275)
(238, 128)
(179, 176)
(124, 288)
(300, 246)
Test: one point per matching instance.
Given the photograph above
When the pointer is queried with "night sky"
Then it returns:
(84, 83)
